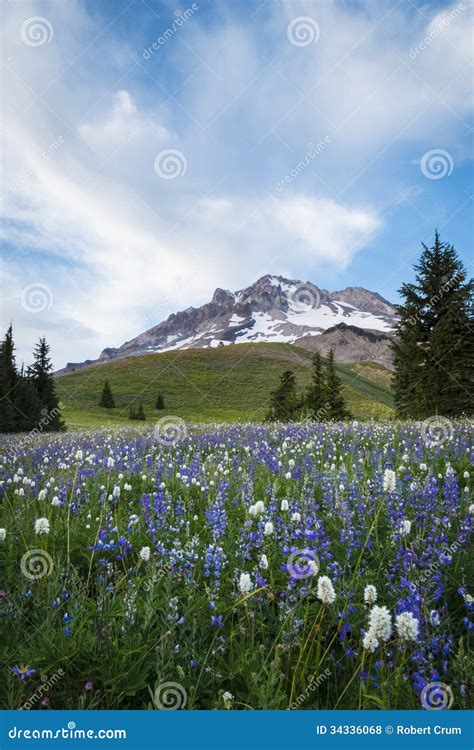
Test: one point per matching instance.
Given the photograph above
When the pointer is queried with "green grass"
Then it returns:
(207, 385)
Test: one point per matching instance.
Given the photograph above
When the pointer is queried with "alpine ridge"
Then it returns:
(273, 309)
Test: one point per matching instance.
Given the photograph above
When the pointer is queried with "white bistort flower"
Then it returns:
(41, 526)
(284, 505)
(405, 527)
(296, 517)
(227, 698)
(380, 623)
(370, 642)
(264, 562)
(325, 590)
(245, 583)
(41, 494)
(407, 626)
(389, 480)
(55, 502)
(145, 553)
(268, 529)
(3, 534)
(370, 595)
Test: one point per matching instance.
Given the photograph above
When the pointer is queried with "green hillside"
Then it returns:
(206, 385)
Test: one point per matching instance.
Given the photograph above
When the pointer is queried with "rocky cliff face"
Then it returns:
(273, 309)
(352, 344)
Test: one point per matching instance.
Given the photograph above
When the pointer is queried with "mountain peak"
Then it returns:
(272, 309)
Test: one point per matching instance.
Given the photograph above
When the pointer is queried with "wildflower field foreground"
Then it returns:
(245, 566)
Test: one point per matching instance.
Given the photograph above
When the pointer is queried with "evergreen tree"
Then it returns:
(107, 400)
(28, 405)
(132, 414)
(434, 351)
(41, 374)
(284, 404)
(8, 380)
(140, 413)
(336, 405)
(316, 393)
(160, 402)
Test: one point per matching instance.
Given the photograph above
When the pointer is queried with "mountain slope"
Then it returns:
(273, 309)
(352, 344)
(223, 384)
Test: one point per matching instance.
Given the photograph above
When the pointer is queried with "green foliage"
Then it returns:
(106, 399)
(434, 353)
(137, 414)
(208, 385)
(28, 401)
(335, 404)
(284, 404)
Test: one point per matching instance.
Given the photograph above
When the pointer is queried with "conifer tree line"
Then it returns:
(323, 400)
(28, 399)
(434, 349)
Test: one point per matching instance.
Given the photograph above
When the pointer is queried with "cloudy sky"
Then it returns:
(154, 151)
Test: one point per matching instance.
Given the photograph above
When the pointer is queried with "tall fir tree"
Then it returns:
(160, 402)
(28, 404)
(434, 350)
(107, 400)
(140, 414)
(41, 373)
(315, 401)
(336, 405)
(9, 378)
(284, 403)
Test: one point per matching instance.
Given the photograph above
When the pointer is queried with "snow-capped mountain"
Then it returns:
(273, 309)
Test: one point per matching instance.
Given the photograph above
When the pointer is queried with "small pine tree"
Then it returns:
(316, 394)
(107, 400)
(336, 405)
(160, 402)
(140, 413)
(284, 404)
(9, 415)
(132, 414)
(41, 373)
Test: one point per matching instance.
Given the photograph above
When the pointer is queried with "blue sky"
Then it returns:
(154, 151)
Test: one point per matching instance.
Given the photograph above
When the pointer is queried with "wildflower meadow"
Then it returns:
(295, 566)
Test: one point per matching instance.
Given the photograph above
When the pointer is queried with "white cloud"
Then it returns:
(123, 123)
